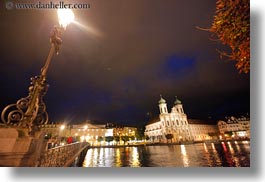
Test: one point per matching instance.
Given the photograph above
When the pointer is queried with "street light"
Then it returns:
(30, 111)
(65, 16)
(62, 134)
(62, 127)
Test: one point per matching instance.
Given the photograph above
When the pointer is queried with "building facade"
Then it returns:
(201, 131)
(177, 124)
(56, 130)
(233, 127)
(174, 122)
(125, 131)
(90, 132)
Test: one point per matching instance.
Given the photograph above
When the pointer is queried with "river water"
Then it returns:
(226, 154)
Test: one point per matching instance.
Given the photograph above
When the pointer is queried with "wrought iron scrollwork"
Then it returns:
(30, 110)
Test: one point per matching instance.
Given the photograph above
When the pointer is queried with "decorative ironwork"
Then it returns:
(62, 156)
(30, 111)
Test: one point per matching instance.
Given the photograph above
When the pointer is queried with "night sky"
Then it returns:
(120, 56)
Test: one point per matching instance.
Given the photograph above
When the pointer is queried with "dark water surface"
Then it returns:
(227, 154)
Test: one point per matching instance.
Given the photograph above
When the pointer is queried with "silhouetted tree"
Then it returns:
(229, 133)
(125, 139)
(213, 134)
(117, 138)
(231, 25)
(146, 137)
(169, 137)
(140, 133)
(131, 137)
(100, 139)
(109, 139)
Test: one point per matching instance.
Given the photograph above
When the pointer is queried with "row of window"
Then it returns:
(164, 110)
(180, 110)
(159, 128)
(91, 129)
(202, 129)
(176, 122)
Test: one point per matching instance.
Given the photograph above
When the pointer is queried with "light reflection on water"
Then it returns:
(234, 153)
(184, 155)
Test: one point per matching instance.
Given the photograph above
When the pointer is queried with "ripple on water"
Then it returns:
(233, 154)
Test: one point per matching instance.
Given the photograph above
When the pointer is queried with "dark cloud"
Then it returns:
(120, 57)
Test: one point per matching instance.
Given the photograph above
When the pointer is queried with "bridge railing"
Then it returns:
(62, 156)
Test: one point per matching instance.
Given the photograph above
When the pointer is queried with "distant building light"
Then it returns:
(62, 127)
(109, 132)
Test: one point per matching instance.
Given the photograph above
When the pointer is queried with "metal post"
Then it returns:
(29, 112)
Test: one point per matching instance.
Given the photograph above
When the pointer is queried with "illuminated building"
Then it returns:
(236, 127)
(124, 131)
(56, 129)
(177, 124)
(90, 132)
(174, 123)
(200, 131)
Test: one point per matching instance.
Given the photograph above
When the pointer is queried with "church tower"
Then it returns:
(162, 105)
(178, 106)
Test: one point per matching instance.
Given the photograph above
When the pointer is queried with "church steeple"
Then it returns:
(162, 105)
(178, 105)
(177, 101)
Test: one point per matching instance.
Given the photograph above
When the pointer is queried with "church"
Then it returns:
(176, 124)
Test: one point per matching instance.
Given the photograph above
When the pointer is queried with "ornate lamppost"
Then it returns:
(30, 111)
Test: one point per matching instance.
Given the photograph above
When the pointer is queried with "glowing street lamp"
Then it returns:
(65, 16)
(29, 112)
(62, 127)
